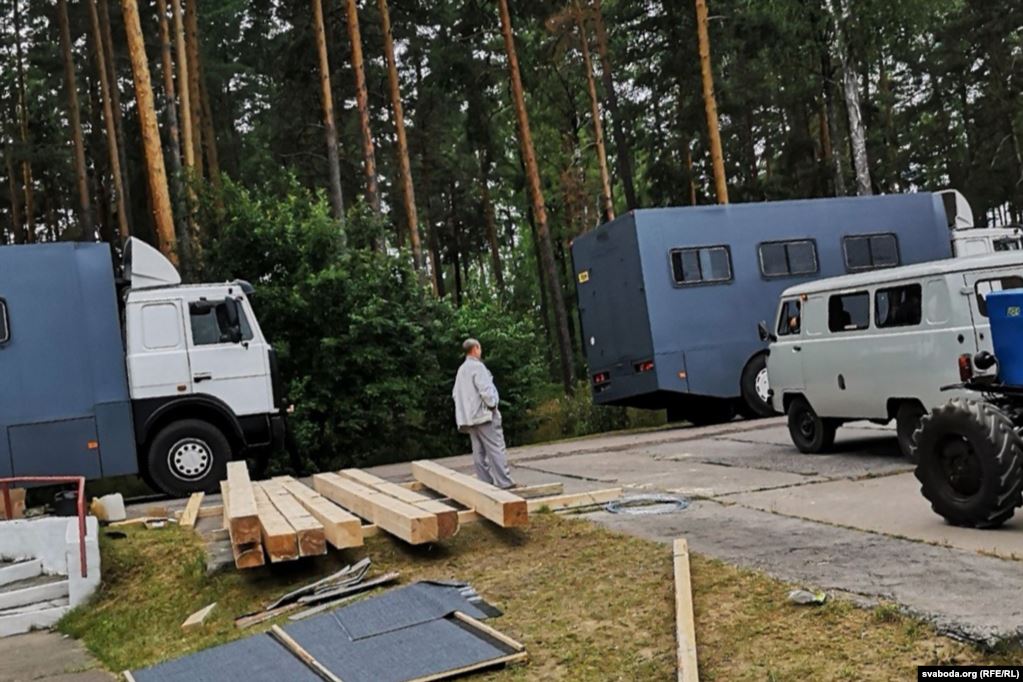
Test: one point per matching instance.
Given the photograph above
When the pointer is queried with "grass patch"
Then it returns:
(589, 604)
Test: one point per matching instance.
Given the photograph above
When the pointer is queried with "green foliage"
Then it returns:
(368, 355)
(570, 416)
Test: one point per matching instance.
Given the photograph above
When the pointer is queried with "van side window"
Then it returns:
(782, 259)
(209, 323)
(789, 320)
(870, 251)
(5, 325)
(849, 312)
(983, 287)
(701, 265)
(898, 306)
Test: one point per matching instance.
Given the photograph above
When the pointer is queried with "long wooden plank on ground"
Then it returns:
(240, 515)
(341, 528)
(500, 506)
(279, 539)
(447, 516)
(246, 554)
(191, 512)
(312, 540)
(571, 500)
(684, 622)
(411, 524)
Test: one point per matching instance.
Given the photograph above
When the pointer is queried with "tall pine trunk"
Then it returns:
(87, 230)
(17, 226)
(623, 154)
(606, 199)
(27, 182)
(545, 246)
(194, 93)
(173, 132)
(490, 220)
(337, 204)
(115, 104)
(850, 89)
(156, 174)
(408, 194)
(108, 122)
(710, 106)
(369, 164)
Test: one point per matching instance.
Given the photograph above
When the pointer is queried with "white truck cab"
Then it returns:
(201, 375)
(880, 345)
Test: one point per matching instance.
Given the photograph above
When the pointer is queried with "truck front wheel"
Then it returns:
(970, 463)
(188, 456)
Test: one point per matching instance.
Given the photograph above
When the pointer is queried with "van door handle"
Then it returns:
(205, 376)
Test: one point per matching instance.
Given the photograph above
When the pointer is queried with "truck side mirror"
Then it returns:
(233, 319)
(764, 333)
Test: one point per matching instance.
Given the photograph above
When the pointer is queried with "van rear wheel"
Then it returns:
(755, 388)
(188, 456)
(809, 433)
(907, 421)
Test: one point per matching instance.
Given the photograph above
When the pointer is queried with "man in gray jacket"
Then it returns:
(476, 414)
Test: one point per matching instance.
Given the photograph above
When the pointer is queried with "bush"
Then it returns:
(562, 416)
(368, 356)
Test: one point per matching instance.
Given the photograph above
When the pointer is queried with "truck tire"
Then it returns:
(188, 456)
(970, 463)
(907, 421)
(810, 434)
(754, 388)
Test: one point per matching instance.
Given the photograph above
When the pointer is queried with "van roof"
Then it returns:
(915, 271)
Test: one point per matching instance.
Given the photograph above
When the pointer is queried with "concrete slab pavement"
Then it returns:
(48, 657)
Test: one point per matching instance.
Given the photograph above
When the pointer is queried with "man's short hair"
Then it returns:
(469, 344)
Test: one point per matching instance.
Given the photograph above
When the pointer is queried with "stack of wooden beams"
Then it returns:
(282, 519)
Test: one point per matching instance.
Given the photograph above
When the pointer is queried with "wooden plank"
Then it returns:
(341, 528)
(240, 514)
(500, 506)
(246, 554)
(572, 500)
(279, 539)
(312, 540)
(447, 516)
(685, 624)
(411, 524)
(191, 512)
(278, 633)
(211, 510)
(527, 491)
(17, 496)
(196, 620)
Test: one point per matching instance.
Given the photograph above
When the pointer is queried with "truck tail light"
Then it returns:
(600, 378)
(965, 367)
(645, 366)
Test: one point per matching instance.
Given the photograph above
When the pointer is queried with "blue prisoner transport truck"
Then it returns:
(669, 298)
(162, 379)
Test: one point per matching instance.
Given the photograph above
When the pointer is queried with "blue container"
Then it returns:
(1005, 312)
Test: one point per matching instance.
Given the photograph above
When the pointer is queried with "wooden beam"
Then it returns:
(447, 516)
(212, 510)
(411, 524)
(572, 500)
(341, 528)
(279, 539)
(246, 554)
(191, 512)
(500, 506)
(240, 505)
(684, 622)
(198, 618)
(278, 633)
(312, 540)
(527, 491)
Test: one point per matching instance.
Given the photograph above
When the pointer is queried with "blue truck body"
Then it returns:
(652, 341)
(65, 404)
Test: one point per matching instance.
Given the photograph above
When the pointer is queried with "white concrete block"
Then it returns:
(25, 620)
(24, 596)
(20, 571)
(81, 588)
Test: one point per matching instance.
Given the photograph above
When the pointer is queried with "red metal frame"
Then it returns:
(79, 480)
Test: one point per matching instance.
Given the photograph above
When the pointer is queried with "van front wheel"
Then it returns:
(809, 433)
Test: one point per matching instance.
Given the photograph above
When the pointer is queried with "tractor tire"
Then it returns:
(970, 463)
(810, 434)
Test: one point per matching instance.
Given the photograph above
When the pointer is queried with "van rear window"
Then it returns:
(983, 287)
(782, 259)
(701, 265)
(871, 251)
(849, 312)
(898, 306)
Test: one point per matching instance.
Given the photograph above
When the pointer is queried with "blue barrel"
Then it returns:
(1005, 312)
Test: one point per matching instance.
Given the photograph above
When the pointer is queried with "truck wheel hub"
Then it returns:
(762, 386)
(190, 459)
(961, 466)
